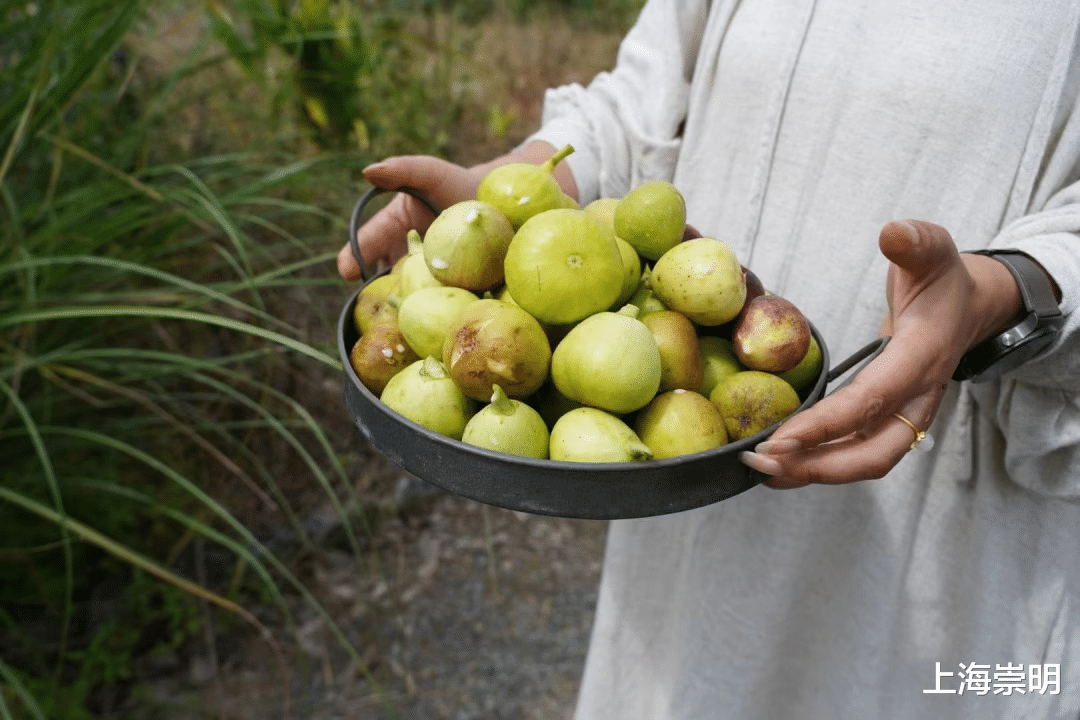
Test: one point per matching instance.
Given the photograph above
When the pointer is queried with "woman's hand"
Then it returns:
(383, 236)
(941, 303)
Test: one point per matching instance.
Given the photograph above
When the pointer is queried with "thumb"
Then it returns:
(441, 181)
(917, 247)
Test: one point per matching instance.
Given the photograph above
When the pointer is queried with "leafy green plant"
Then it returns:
(144, 327)
(357, 78)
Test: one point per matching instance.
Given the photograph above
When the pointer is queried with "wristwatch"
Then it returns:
(1038, 328)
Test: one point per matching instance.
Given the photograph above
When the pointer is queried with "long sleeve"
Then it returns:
(1037, 407)
(625, 126)
(1043, 217)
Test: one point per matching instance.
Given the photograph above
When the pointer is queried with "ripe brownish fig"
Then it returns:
(773, 335)
(380, 354)
(491, 342)
(681, 362)
(751, 401)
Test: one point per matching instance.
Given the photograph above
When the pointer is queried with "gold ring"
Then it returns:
(920, 435)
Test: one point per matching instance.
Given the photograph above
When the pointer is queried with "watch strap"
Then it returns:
(1034, 332)
(1035, 290)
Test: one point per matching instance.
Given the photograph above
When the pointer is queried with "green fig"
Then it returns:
(644, 297)
(751, 400)
(804, 376)
(652, 218)
(720, 361)
(590, 435)
(563, 266)
(603, 209)
(414, 271)
(609, 361)
(491, 342)
(379, 354)
(680, 422)
(509, 426)
(772, 335)
(646, 301)
(631, 271)
(465, 245)
(522, 190)
(372, 304)
(681, 363)
(425, 315)
(702, 279)
(426, 394)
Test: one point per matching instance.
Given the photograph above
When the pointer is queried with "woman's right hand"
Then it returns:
(382, 237)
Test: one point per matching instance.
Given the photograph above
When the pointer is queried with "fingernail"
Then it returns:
(376, 167)
(778, 447)
(761, 463)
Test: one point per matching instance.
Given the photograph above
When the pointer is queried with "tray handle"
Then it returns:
(358, 211)
(863, 355)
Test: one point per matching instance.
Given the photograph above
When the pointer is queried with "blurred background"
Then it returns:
(189, 525)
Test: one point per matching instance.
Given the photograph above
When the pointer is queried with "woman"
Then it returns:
(893, 584)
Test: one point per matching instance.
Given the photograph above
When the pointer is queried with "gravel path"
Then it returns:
(470, 613)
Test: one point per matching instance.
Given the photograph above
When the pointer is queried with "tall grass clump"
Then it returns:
(175, 178)
(156, 328)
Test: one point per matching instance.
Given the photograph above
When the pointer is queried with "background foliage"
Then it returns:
(174, 179)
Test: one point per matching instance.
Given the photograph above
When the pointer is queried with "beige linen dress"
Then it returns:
(796, 129)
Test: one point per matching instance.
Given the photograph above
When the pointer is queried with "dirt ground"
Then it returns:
(459, 611)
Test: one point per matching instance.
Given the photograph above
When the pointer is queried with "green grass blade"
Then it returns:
(210, 504)
(24, 118)
(272, 421)
(105, 311)
(110, 29)
(25, 697)
(194, 524)
(156, 409)
(135, 268)
(57, 498)
(89, 534)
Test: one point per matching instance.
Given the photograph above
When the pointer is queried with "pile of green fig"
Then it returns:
(524, 324)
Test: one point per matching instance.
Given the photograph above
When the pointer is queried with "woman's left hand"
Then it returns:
(941, 303)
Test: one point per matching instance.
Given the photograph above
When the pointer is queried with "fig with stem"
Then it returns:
(509, 426)
(590, 435)
(522, 190)
(426, 394)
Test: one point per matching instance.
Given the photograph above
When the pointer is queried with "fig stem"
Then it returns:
(558, 157)
(416, 243)
(501, 402)
(639, 450)
(433, 368)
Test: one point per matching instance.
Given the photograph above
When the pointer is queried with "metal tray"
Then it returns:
(601, 491)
